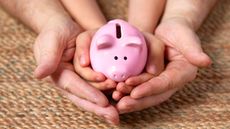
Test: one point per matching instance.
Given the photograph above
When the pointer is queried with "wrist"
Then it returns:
(142, 27)
(38, 13)
(185, 21)
(192, 13)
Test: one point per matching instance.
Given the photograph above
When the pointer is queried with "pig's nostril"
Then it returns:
(123, 76)
(115, 76)
(115, 58)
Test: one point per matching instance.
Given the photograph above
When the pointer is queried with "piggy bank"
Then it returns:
(118, 50)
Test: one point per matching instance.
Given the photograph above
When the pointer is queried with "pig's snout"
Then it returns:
(118, 74)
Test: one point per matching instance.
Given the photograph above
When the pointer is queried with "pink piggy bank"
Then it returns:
(118, 50)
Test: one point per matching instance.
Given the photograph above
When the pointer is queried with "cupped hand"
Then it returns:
(82, 94)
(82, 63)
(54, 44)
(183, 53)
(154, 66)
(54, 51)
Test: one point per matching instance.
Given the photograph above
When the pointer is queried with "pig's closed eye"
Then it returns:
(125, 58)
(115, 58)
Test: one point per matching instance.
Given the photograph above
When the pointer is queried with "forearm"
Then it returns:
(34, 13)
(192, 11)
(145, 14)
(86, 12)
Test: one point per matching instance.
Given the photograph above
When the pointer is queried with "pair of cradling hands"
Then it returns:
(168, 27)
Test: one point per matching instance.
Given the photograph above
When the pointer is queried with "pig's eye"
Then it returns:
(125, 58)
(115, 58)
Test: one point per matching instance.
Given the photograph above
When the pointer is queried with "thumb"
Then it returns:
(48, 50)
(185, 40)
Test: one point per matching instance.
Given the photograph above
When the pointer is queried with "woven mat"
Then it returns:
(28, 103)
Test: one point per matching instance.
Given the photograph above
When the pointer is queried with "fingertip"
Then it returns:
(131, 81)
(128, 81)
(112, 117)
(125, 105)
(119, 86)
(37, 73)
(41, 72)
(111, 84)
(135, 94)
(151, 69)
(84, 60)
(100, 77)
(199, 59)
(101, 101)
(206, 60)
(116, 95)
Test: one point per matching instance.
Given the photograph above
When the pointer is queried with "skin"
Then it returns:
(146, 21)
(184, 53)
(56, 27)
(54, 50)
(90, 10)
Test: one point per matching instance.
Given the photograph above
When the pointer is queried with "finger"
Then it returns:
(48, 50)
(105, 85)
(117, 95)
(155, 63)
(128, 104)
(175, 33)
(137, 80)
(109, 113)
(88, 74)
(81, 58)
(82, 47)
(124, 88)
(175, 76)
(70, 81)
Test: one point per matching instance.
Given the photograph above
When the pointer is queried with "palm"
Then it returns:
(178, 71)
(55, 44)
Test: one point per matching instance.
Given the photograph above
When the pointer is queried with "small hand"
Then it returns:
(183, 51)
(82, 63)
(154, 67)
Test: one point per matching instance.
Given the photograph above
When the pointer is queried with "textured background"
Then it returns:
(28, 103)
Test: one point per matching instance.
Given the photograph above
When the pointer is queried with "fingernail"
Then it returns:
(99, 78)
(151, 69)
(82, 60)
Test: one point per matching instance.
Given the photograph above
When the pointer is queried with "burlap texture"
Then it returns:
(28, 103)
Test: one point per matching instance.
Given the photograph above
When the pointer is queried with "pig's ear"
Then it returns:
(133, 41)
(104, 41)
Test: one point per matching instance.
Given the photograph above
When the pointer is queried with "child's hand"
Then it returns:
(82, 63)
(154, 66)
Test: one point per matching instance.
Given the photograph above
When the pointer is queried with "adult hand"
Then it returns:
(183, 52)
(54, 50)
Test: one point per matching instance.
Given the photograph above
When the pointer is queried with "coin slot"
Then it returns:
(118, 31)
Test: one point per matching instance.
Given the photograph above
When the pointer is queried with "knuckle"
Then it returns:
(82, 38)
(168, 83)
(66, 85)
(127, 107)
